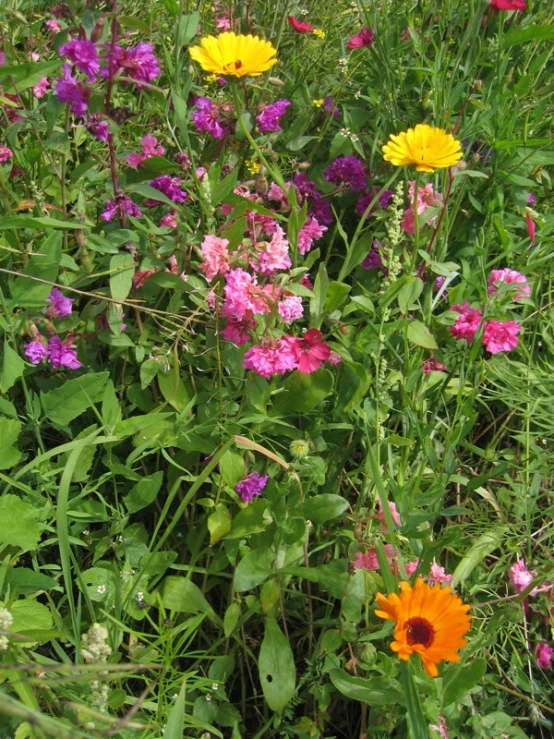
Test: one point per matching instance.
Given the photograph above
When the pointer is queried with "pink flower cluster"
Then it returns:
(426, 198)
(59, 353)
(150, 148)
(504, 277)
(369, 561)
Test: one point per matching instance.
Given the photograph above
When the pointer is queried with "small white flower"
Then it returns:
(101, 589)
(358, 94)
(215, 686)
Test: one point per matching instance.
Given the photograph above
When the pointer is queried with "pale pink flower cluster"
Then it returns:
(509, 276)
(543, 655)
(394, 513)
(311, 231)
(520, 578)
(368, 561)
(216, 256)
(426, 198)
(150, 148)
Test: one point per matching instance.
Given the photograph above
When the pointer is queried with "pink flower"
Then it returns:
(35, 351)
(521, 578)
(290, 309)
(270, 359)
(311, 231)
(243, 295)
(150, 146)
(237, 332)
(52, 25)
(275, 254)
(334, 359)
(467, 324)
(61, 354)
(508, 4)
(60, 306)
(426, 198)
(369, 560)
(531, 227)
(299, 26)
(437, 574)
(509, 276)
(39, 90)
(83, 55)
(216, 256)
(223, 23)
(134, 160)
(364, 38)
(543, 655)
(432, 365)
(310, 352)
(500, 336)
(411, 567)
(5, 154)
(394, 513)
(169, 220)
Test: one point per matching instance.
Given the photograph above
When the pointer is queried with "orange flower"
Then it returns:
(430, 621)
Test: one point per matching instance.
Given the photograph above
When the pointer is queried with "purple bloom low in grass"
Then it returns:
(206, 118)
(60, 355)
(97, 127)
(69, 90)
(251, 485)
(60, 306)
(374, 260)
(170, 187)
(83, 55)
(121, 206)
(270, 117)
(35, 351)
(347, 171)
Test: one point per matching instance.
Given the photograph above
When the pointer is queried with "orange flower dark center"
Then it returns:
(420, 631)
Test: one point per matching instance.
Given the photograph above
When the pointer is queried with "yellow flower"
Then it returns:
(318, 102)
(430, 621)
(234, 55)
(252, 166)
(427, 147)
(319, 32)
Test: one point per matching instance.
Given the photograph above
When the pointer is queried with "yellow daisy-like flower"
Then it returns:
(234, 55)
(426, 147)
(430, 621)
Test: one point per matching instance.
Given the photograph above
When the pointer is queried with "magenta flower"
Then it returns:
(300, 26)
(169, 220)
(170, 187)
(364, 38)
(311, 231)
(272, 358)
(237, 332)
(69, 90)
(251, 486)
(206, 118)
(97, 127)
(290, 309)
(138, 63)
(5, 154)
(35, 351)
(521, 578)
(508, 276)
(310, 351)
(432, 365)
(270, 117)
(216, 256)
(373, 259)
(121, 206)
(83, 55)
(60, 306)
(500, 336)
(347, 171)
(61, 354)
(467, 324)
(543, 655)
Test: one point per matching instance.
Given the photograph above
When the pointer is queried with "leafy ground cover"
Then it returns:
(276, 377)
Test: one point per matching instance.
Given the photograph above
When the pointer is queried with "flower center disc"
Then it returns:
(420, 631)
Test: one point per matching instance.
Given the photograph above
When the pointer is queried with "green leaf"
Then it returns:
(254, 569)
(173, 389)
(369, 691)
(458, 680)
(10, 429)
(531, 33)
(231, 466)
(182, 596)
(27, 75)
(353, 384)
(175, 726)
(44, 264)
(122, 269)
(485, 544)
(29, 618)
(19, 525)
(188, 27)
(419, 334)
(74, 397)
(219, 523)
(249, 521)
(302, 393)
(337, 293)
(324, 507)
(39, 223)
(276, 667)
(24, 581)
(230, 620)
(144, 492)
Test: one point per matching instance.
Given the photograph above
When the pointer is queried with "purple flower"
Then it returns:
(349, 171)
(270, 117)
(97, 127)
(330, 107)
(122, 206)
(170, 187)
(206, 118)
(317, 207)
(366, 199)
(531, 199)
(138, 63)
(69, 90)
(35, 351)
(60, 355)
(60, 306)
(182, 159)
(251, 485)
(374, 260)
(83, 55)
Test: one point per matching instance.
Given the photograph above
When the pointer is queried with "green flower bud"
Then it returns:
(299, 448)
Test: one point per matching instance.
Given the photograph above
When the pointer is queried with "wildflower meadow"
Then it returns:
(277, 369)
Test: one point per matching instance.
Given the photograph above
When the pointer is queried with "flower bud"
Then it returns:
(299, 448)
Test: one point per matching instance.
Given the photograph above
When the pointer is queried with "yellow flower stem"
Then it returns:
(275, 174)
(416, 223)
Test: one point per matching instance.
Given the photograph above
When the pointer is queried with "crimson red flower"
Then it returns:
(300, 26)
(509, 4)
(531, 227)
(364, 38)
(310, 352)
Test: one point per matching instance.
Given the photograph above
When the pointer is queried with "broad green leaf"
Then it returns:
(324, 507)
(419, 334)
(30, 618)
(332, 578)
(44, 264)
(230, 620)
(231, 466)
(458, 680)
(269, 594)
(219, 523)
(174, 728)
(74, 397)
(27, 75)
(302, 393)
(352, 386)
(182, 596)
(24, 581)
(337, 292)
(374, 691)
(254, 569)
(531, 33)
(19, 525)
(144, 492)
(249, 521)
(122, 269)
(188, 28)
(39, 223)
(10, 429)
(276, 667)
(481, 548)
